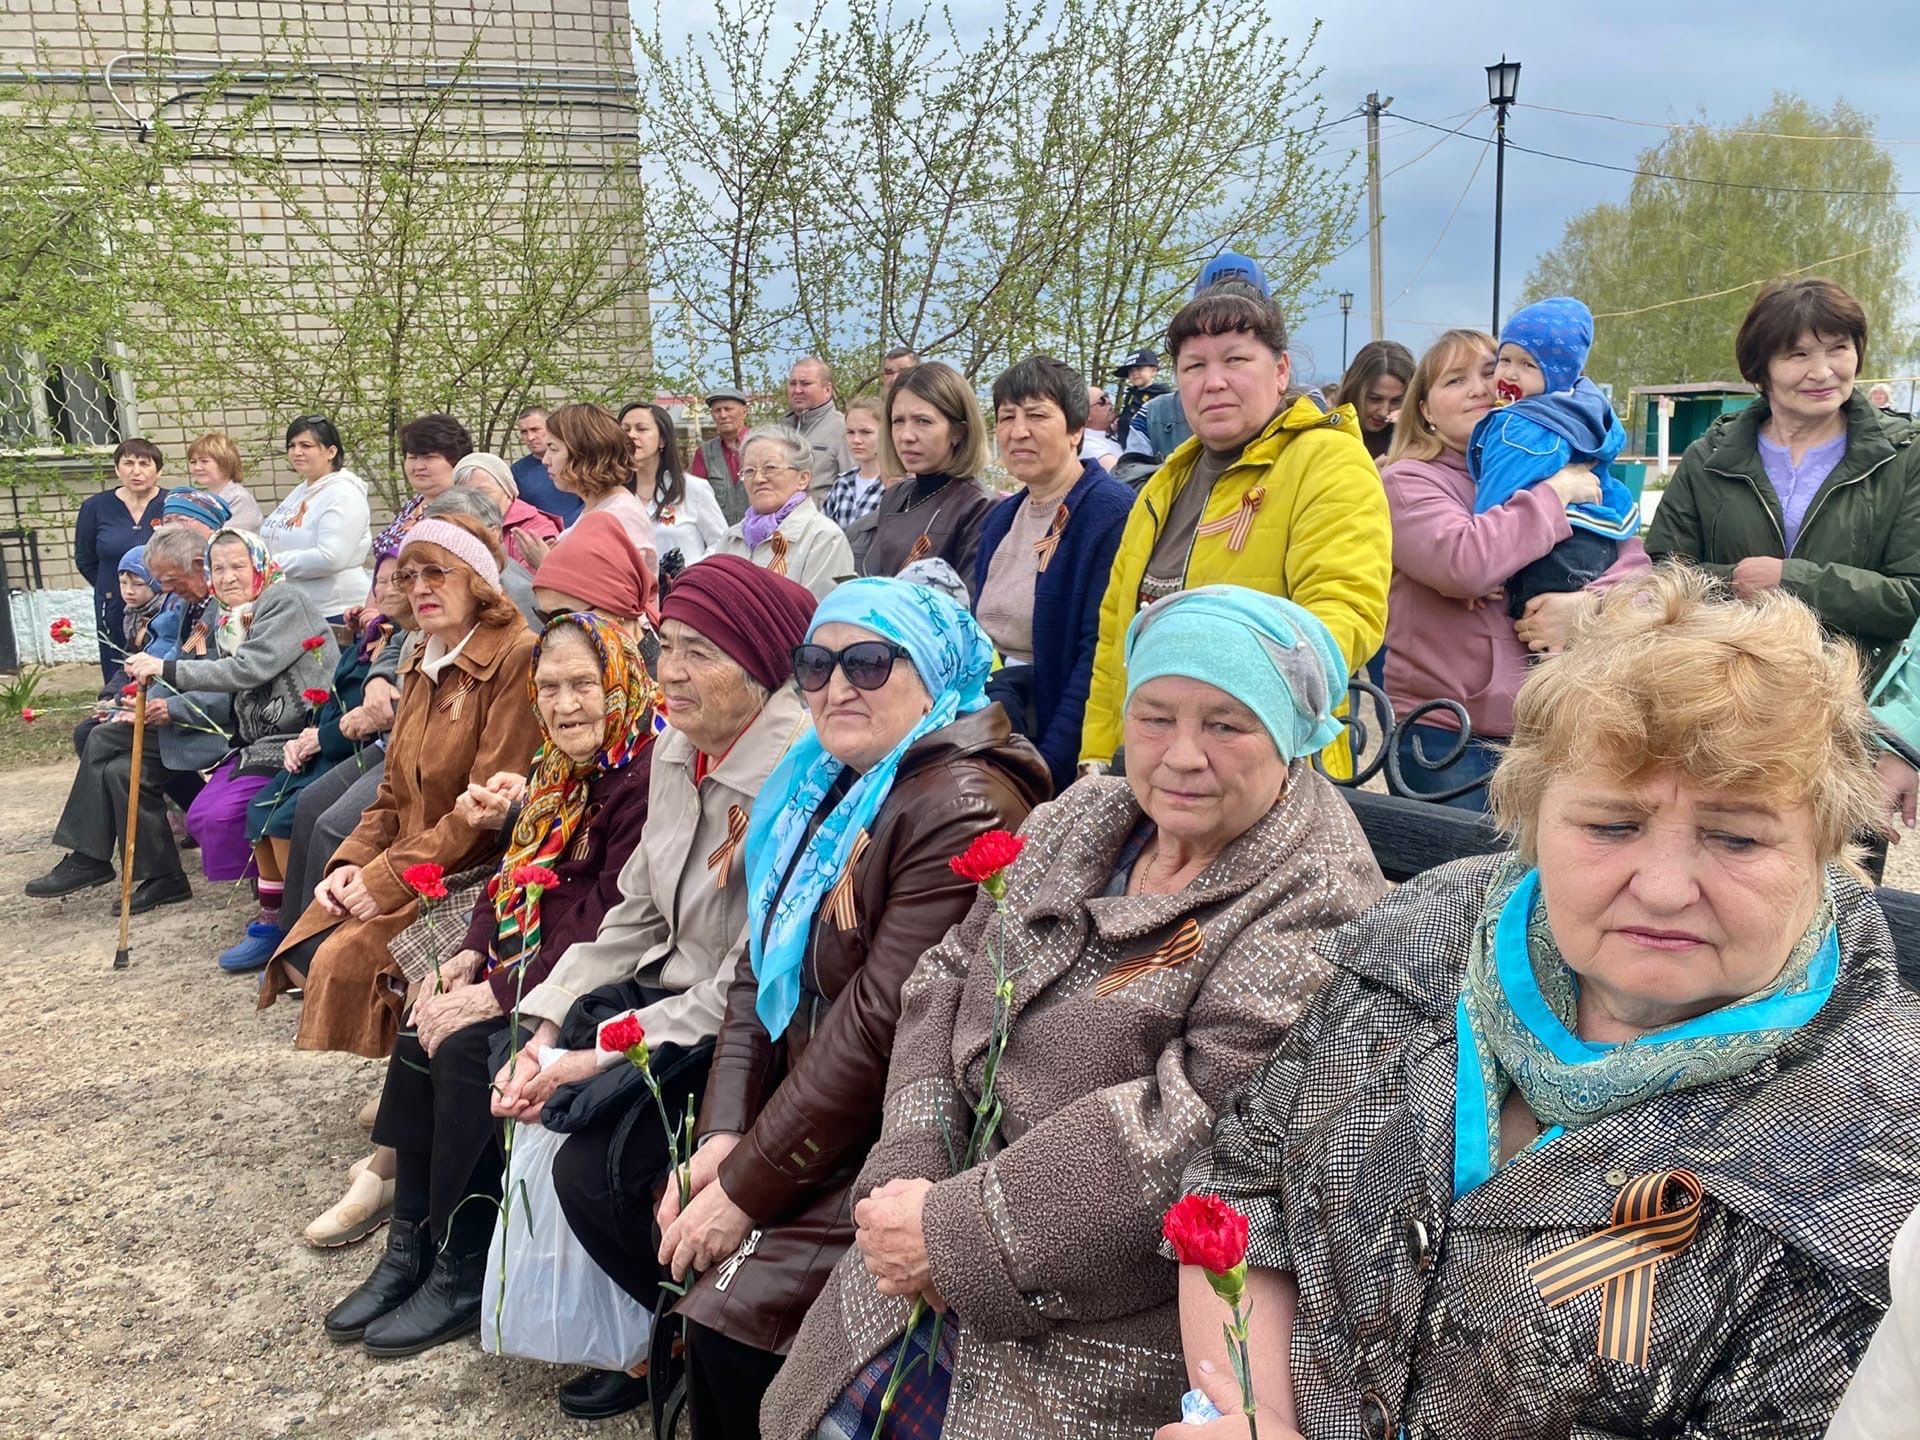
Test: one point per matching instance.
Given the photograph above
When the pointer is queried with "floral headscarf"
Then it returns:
(556, 805)
(236, 620)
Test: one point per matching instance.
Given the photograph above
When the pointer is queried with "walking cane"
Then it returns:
(120, 960)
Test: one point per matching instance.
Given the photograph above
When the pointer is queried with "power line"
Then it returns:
(1736, 289)
(1471, 115)
(1677, 179)
(1716, 129)
(1445, 226)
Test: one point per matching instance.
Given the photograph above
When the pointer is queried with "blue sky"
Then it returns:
(1643, 60)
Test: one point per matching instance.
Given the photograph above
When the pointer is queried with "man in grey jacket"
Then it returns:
(812, 413)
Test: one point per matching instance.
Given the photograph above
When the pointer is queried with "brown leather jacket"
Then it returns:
(807, 1105)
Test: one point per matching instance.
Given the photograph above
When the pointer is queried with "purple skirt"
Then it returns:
(218, 820)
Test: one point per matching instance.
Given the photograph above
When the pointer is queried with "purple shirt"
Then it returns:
(1796, 485)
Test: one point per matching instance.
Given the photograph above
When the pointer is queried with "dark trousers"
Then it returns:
(94, 822)
(606, 1178)
(726, 1381)
(338, 798)
(435, 1115)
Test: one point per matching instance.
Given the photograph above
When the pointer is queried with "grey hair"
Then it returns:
(177, 545)
(464, 501)
(794, 447)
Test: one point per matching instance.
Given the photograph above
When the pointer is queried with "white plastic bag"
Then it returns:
(558, 1304)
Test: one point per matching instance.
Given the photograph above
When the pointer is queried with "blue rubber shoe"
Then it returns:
(253, 953)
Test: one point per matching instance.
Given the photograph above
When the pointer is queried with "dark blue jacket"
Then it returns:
(1066, 605)
(538, 490)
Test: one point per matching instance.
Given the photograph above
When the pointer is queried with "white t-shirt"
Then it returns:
(1095, 446)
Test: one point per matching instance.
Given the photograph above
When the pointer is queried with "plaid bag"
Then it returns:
(919, 1408)
(420, 946)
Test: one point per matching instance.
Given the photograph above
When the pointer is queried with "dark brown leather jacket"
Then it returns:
(947, 511)
(807, 1105)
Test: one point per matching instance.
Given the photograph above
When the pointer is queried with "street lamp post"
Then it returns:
(1346, 309)
(1503, 84)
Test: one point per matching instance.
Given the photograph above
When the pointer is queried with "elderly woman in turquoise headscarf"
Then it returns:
(274, 655)
(1159, 933)
(849, 885)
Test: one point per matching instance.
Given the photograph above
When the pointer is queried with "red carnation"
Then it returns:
(314, 696)
(313, 642)
(1206, 1231)
(530, 877)
(29, 715)
(425, 881)
(61, 630)
(986, 860)
(129, 690)
(623, 1035)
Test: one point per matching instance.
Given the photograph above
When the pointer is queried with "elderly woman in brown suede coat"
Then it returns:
(848, 884)
(1160, 931)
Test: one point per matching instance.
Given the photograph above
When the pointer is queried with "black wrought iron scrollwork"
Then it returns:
(1361, 727)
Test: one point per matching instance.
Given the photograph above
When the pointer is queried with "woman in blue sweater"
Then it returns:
(1045, 554)
(110, 524)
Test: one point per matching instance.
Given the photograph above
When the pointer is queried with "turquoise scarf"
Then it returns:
(953, 657)
(1514, 1026)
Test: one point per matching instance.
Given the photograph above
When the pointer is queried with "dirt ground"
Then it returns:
(164, 1146)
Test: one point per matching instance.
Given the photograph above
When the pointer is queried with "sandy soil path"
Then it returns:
(163, 1146)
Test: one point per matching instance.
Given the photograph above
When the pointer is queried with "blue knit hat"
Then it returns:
(1273, 656)
(1557, 333)
(134, 563)
(210, 510)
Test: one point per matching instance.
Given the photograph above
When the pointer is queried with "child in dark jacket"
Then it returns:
(1552, 416)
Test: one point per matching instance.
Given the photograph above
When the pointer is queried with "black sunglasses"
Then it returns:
(866, 664)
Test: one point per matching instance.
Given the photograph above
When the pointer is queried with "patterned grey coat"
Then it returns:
(1416, 1317)
(1047, 1252)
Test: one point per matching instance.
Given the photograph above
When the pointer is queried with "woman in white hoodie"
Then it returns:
(319, 535)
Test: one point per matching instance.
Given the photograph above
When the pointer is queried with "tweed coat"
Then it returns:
(1416, 1317)
(1048, 1251)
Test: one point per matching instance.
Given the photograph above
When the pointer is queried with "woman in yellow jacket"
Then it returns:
(1276, 497)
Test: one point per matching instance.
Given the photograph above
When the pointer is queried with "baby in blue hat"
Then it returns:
(1553, 416)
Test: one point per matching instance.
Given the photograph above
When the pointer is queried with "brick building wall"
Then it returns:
(520, 49)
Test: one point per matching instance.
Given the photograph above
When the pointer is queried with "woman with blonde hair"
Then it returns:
(213, 464)
(1611, 1134)
(932, 433)
(1445, 640)
(589, 455)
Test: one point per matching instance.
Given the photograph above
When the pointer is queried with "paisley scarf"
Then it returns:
(235, 620)
(953, 657)
(1515, 1026)
(556, 808)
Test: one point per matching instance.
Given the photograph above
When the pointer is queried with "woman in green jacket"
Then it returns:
(1810, 489)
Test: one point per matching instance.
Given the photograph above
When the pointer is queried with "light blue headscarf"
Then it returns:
(953, 657)
(1273, 656)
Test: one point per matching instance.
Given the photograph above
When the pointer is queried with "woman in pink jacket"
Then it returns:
(1448, 635)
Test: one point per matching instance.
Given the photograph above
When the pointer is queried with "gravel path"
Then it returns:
(164, 1147)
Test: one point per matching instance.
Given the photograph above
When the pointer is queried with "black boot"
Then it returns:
(602, 1394)
(401, 1271)
(443, 1309)
(74, 872)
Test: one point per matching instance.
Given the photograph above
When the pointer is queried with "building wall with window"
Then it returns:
(59, 423)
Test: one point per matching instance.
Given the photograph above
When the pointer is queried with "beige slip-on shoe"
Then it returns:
(369, 1112)
(367, 1205)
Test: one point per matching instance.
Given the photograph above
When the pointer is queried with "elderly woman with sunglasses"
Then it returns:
(783, 530)
(848, 885)
(1161, 931)
(463, 719)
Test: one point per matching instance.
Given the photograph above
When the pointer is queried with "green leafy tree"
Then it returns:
(1670, 273)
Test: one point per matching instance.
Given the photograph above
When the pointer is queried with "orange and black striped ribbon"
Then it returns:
(1237, 526)
(778, 543)
(922, 548)
(840, 906)
(1184, 945)
(1647, 1228)
(1044, 547)
(721, 860)
(454, 701)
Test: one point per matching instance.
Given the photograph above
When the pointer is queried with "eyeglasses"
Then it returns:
(867, 664)
(754, 472)
(434, 575)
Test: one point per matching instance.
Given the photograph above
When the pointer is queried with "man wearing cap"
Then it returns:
(812, 412)
(531, 476)
(717, 461)
(1140, 372)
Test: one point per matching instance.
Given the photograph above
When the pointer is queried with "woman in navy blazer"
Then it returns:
(1045, 554)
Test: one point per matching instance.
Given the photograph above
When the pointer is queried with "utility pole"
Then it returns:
(1376, 273)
